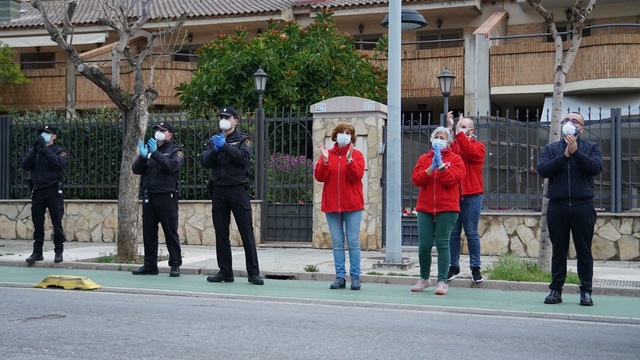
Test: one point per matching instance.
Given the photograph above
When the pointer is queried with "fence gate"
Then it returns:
(288, 207)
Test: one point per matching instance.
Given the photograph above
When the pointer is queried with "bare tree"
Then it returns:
(126, 18)
(562, 65)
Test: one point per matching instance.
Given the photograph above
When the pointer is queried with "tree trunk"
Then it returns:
(128, 205)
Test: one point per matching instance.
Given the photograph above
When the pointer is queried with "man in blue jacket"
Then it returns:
(570, 165)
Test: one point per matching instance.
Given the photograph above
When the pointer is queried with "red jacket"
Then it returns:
(472, 153)
(440, 191)
(342, 189)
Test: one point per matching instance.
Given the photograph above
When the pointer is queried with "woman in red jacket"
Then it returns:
(341, 169)
(438, 174)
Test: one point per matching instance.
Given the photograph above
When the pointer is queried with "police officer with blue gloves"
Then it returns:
(228, 155)
(45, 162)
(159, 164)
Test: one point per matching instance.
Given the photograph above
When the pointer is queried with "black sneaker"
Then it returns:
(453, 273)
(34, 257)
(145, 270)
(338, 283)
(256, 280)
(175, 271)
(554, 297)
(476, 276)
(220, 278)
(585, 299)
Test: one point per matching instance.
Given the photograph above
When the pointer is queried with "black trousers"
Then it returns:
(579, 221)
(163, 209)
(41, 200)
(225, 200)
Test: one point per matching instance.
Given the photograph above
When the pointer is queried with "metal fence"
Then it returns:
(510, 179)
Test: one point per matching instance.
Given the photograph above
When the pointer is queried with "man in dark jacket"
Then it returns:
(570, 165)
(159, 164)
(228, 155)
(45, 162)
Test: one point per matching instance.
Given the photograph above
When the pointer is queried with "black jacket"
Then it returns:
(160, 173)
(45, 164)
(570, 179)
(230, 165)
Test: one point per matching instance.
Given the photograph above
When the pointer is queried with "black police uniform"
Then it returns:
(46, 169)
(228, 186)
(160, 178)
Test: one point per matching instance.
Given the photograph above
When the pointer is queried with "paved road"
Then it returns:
(57, 324)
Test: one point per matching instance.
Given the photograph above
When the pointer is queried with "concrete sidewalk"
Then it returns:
(280, 262)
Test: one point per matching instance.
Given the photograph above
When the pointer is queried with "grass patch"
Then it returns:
(513, 269)
(396, 274)
(311, 268)
(109, 258)
(375, 273)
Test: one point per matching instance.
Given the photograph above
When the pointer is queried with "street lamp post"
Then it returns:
(446, 83)
(397, 19)
(260, 82)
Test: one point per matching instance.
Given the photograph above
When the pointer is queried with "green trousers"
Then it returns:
(435, 230)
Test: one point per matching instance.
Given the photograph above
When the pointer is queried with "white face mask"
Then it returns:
(343, 140)
(46, 137)
(225, 124)
(569, 129)
(159, 135)
(440, 143)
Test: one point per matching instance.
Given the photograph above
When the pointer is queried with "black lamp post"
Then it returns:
(446, 83)
(260, 82)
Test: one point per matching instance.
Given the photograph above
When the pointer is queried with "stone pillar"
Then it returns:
(368, 118)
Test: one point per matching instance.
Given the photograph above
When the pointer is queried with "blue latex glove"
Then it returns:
(218, 140)
(433, 166)
(213, 141)
(144, 152)
(153, 145)
(437, 158)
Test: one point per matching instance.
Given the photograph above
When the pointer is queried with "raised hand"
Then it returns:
(437, 158)
(218, 140)
(450, 119)
(324, 152)
(144, 151)
(153, 145)
(350, 152)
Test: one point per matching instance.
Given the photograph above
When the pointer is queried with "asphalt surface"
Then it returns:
(616, 292)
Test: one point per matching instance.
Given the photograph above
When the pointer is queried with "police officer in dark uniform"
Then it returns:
(159, 164)
(228, 155)
(46, 162)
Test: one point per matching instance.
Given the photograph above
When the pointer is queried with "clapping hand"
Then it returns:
(218, 141)
(350, 153)
(153, 145)
(437, 157)
(323, 152)
(144, 151)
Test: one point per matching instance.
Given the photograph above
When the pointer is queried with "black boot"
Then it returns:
(175, 271)
(554, 297)
(35, 257)
(57, 258)
(145, 270)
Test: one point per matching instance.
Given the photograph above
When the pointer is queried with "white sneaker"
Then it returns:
(421, 285)
(441, 288)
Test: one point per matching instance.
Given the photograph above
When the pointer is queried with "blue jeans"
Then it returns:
(341, 225)
(470, 208)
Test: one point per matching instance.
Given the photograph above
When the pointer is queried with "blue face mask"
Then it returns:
(46, 137)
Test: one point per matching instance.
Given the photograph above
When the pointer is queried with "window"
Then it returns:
(565, 28)
(186, 54)
(368, 39)
(437, 40)
(37, 61)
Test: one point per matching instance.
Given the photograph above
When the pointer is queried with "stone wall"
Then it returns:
(617, 236)
(97, 221)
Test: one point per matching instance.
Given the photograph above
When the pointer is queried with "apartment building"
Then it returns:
(497, 50)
